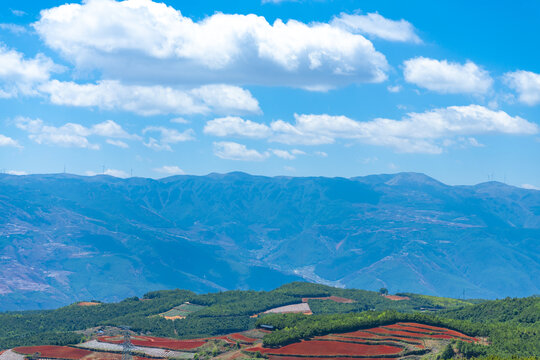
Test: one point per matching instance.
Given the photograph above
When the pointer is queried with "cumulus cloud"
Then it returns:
(447, 77)
(20, 75)
(7, 141)
(427, 132)
(236, 126)
(117, 143)
(526, 84)
(234, 151)
(142, 40)
(166, 137)
(111, 172)
(151, 100)
(170, 170)
(17, 12)
(394, 88)
(70, 134)
(377, 26)
(13, 28)
(284, 154)
(16, 172)
(276, 1)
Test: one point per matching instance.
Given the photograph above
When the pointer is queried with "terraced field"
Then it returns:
(384, 342)
(69, 353)
(391, 341)
(302, 308)
(181, 311)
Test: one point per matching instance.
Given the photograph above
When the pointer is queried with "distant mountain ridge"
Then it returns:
(66, 237)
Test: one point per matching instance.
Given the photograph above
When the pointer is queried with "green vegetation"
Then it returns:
(512, 329)
(182, 310)
(510, 325)
(440, 302)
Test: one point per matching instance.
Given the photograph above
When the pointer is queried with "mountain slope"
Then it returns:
(65, 237)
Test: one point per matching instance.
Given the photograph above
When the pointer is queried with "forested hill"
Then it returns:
(65, 238)
(511, 325)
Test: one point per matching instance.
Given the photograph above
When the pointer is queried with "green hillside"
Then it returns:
(511, 325)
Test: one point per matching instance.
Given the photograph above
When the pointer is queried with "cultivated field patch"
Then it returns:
(69, 353)
(391, 341)
(181, 311)
(337, 299)
(302, 308)
(156, 342)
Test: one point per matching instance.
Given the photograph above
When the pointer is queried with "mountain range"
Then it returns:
(65, 238)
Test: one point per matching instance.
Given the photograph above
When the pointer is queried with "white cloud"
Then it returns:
(377, 26)
(20, 76)
(16, 172)
(235, 151)
(283, 154)
(118, 143)
(17, 12)
(235, 126)
(179, 120)
(170, 170)
(447, 77)
(526, 84)
(321, 154)
(111, 129)
(276, 1)
(13, 28)
(7, 141)
(142, 40)
(167, 137)
(111, 172)
(394, 88)
(70, 134)
(530, 187)
(151, 100)
(427, 132)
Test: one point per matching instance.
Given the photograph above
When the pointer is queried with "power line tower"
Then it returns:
(127, 346)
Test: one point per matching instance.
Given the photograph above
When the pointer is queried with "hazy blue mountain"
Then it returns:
(65, 237)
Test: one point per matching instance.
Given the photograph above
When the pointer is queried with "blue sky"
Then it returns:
(299, 88)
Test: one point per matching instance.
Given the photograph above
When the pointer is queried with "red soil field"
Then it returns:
(359, 334)
(224, 338)
(389, 332)
(329, 348)
(88, 303)
(164, 343)
(421, 335)
(361, 343)
(65, 352)
(410, 328)
(423, 326)
(50, 351)
(274, 357)
(333, 298)
(400, 342)
(241, 338)
(344, 337)
(435, 330)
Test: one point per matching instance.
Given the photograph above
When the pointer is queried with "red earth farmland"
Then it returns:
(381, 342)
(66, 352)
(57, 352)
(242, 338)
(329, 348)
(157, 342)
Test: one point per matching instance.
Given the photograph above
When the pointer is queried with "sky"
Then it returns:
(297, 88)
